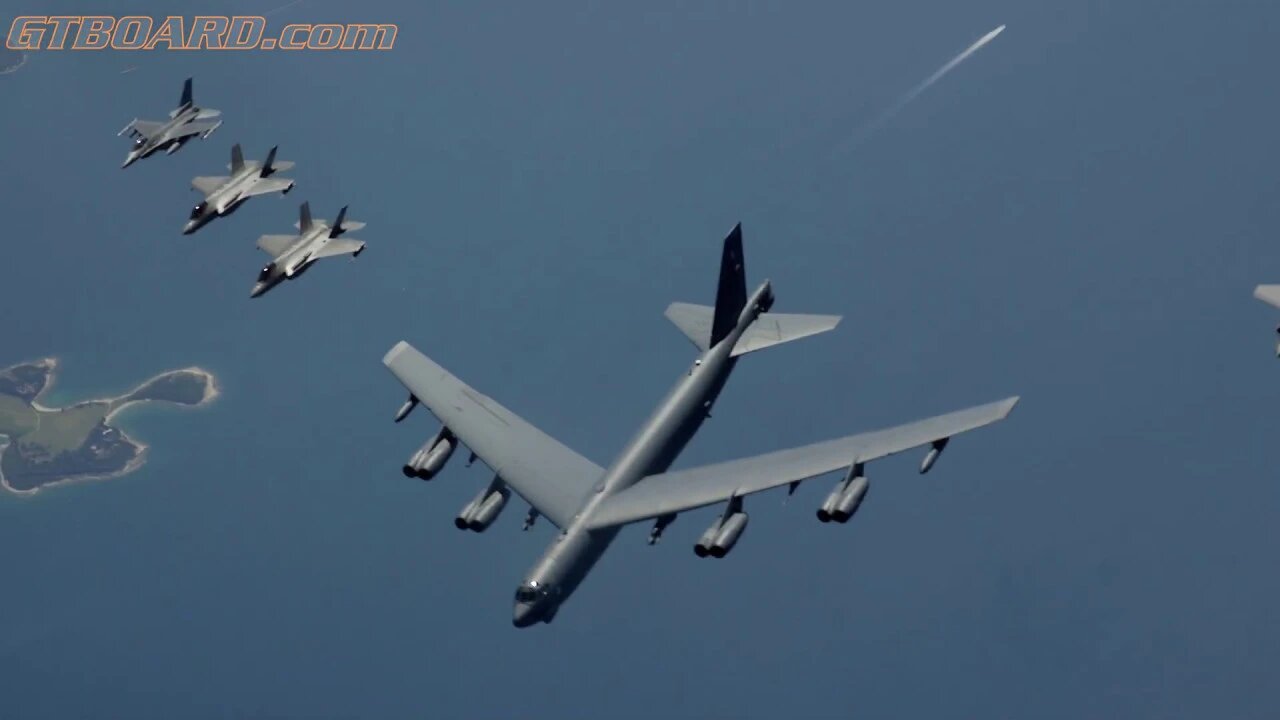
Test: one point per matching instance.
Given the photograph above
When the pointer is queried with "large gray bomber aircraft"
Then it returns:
(590, 504)
(293, 254)
(223, 194)
(185, 122)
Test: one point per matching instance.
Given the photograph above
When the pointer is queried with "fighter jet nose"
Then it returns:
(189, 228)
(256, 291)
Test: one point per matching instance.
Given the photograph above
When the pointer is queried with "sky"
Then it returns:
(1077, 215)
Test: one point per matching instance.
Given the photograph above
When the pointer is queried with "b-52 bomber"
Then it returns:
(293, 254)
(222, 195)
(185, 122)
(590, 504)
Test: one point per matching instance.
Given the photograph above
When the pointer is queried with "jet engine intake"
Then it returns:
(480, 513)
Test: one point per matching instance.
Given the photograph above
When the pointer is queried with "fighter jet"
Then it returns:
(293, 254)
(1270, 294)
(185, 122)
(222, 195)
(589, 503)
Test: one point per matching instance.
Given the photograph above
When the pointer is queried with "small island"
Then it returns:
(41, 447)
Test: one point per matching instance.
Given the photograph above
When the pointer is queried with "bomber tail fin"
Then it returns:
(731, 295)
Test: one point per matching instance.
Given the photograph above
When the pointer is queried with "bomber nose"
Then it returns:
(524, 615)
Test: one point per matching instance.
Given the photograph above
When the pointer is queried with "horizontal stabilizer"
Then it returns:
(1269, 294)
(695, 321)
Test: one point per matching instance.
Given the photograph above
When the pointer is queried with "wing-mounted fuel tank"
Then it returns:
(724, 533)
(480, 513)
(406, 408)
(431, 457)
(847, 496)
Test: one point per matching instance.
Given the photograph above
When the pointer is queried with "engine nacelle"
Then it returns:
(431, 457)
(480, 513)
(730, 531)
(703, 547)
(845, 498)
(850, 499)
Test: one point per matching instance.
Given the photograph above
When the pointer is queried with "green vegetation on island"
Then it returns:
(42, 446)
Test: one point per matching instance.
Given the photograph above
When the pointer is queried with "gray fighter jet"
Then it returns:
(185, 122)
(590, 504)
(1270, 294)
(293, 254)
(222, 195)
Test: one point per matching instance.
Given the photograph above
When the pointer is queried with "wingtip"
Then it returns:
(394, 352)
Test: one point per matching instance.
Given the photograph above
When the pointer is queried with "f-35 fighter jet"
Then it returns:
(222, 195)
(185, 122)
(590, 504)
(293, 254)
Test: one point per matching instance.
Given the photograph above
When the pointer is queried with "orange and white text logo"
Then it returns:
(202, 32)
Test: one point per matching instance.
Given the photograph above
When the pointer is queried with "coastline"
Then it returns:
(116, 404)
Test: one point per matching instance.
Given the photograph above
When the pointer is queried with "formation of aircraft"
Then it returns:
(291, 254)
(589, 504)
(185, 122)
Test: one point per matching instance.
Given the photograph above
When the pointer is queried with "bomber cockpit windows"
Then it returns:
(529, 593)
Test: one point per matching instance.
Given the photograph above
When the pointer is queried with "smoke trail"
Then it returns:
(858, 137)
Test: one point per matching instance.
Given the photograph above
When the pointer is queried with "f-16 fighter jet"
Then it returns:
(185, 122)
(590, 503)
(1270, 294)
(222, 195)
(293, 254)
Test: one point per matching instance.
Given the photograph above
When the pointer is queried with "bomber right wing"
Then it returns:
(681, 490)
(552, 478)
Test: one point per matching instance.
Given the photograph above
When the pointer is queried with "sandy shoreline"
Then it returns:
(50, 366)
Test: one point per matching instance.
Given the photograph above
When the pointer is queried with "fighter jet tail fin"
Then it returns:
(731, 295)
(770, 329)
(186, 94)
(237, 159)
(304, 218)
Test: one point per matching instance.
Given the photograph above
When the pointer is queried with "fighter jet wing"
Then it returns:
(345, 246)
(276, 245)
(207, 184)
(268, 185)
(1269, 294)
(196, 127)
(143, 128)
(682, 490)
(551, 477)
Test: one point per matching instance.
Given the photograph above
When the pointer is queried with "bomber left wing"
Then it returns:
(549, 476)
(681, 490)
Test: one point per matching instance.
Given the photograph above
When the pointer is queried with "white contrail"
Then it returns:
(282, 8)
(915, 92)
